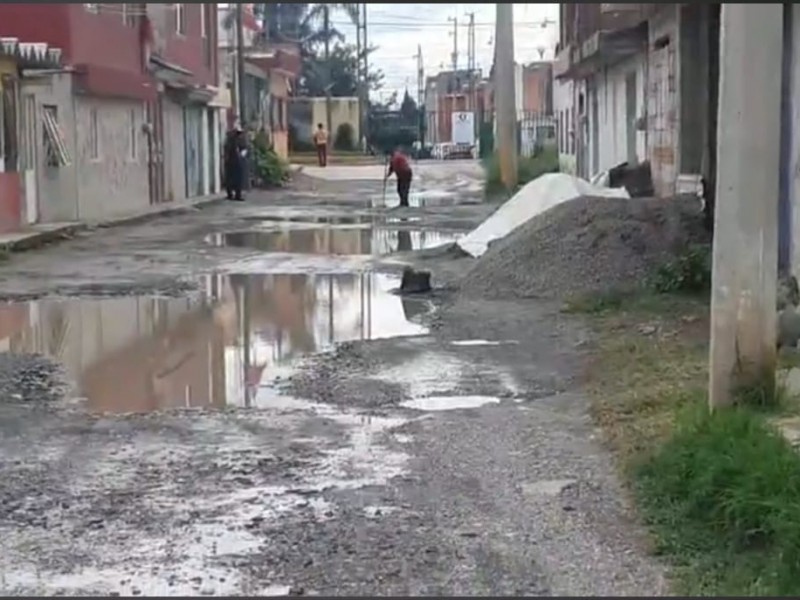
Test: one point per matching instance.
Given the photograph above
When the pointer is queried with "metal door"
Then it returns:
(630, 115)
(155, 150)
(192, 127)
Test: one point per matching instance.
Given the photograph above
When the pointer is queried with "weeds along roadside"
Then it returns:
(720, 493)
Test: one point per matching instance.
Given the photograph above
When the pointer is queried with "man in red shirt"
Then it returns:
(401, 167)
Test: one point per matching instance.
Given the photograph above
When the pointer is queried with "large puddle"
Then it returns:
(139, 354)
(333, 241)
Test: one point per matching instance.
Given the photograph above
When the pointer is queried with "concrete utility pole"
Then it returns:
(505, 108)
(473, 101)
(359, 72)
(420, 93)
(326, 14)
(240, 63)
(743, 312)
(455, 42)
(363, 102)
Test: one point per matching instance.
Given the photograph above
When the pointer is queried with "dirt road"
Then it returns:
(238, 404)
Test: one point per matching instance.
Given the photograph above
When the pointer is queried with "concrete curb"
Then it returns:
(32, 240)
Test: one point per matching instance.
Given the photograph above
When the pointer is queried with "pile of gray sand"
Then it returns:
(589, 244)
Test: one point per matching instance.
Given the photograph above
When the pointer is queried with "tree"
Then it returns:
(408, 109)
(342, 67)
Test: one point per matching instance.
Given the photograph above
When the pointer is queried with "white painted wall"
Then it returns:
(519, 90)
(563, 101)
(115, 182)
(612, 113)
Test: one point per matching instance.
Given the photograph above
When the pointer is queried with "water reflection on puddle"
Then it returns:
(439, 403)
(138, 354)
(333, 241)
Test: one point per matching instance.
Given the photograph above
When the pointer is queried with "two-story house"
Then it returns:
(636, 82)
(125, 122)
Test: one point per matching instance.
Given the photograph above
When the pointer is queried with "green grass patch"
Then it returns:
(720, 492)
(528, 169)
(722, 496)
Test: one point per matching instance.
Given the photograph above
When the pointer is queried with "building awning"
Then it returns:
(222, 99)
(602, 49)
(30, 55)
(281, 60)
(167, 72)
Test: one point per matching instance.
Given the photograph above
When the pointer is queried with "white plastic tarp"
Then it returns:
(539, 195)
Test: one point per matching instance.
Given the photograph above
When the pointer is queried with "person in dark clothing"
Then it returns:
(401, 167)
(234, 156)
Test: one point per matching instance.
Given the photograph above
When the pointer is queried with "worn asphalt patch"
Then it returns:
(330, 484)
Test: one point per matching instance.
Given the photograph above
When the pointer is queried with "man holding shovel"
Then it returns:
(401, 167)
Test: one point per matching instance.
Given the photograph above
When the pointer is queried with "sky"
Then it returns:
(397, 29)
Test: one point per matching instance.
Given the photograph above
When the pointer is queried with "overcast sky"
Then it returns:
(397, 29)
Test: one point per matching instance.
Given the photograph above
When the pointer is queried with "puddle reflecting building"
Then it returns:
(138, 354)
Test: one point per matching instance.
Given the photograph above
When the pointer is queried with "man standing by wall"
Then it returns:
(321, 143)
(235, 155)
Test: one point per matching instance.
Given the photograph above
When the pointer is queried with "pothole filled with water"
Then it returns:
(440, 403)
(140, 354)
(333, 241)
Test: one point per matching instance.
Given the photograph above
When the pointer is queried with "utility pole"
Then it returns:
(506, 110)
(455, 42)
(744, 275)
(420, 95)
(363, 97)
(240, 64)
(326, 13)
(359, 72)
(473, 101)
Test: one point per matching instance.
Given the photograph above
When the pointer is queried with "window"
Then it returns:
(54, 146)
(92, 8)
(132, 145)
(129, 13)
(94, 136)
(180, 18)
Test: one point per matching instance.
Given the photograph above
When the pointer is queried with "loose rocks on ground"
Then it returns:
(30, 378)
(585, 245)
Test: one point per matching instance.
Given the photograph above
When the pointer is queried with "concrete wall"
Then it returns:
(343, 110)
(279, 119)
(57, 186)
(663, 101)
(519, 87)
(116, 183)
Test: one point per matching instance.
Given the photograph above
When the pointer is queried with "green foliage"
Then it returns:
(723, 497)
(386, 138)
(690, 272)
(544, 160)
(345, 137)
(270, 169)
(341, 69)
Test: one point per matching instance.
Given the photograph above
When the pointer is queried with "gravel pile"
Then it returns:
(585, 245)
(30, 378)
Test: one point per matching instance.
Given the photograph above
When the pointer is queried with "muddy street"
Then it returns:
(235, 401)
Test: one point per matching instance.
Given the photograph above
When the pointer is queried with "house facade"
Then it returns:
(126, 122)
(270, 72)
(632, 83)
